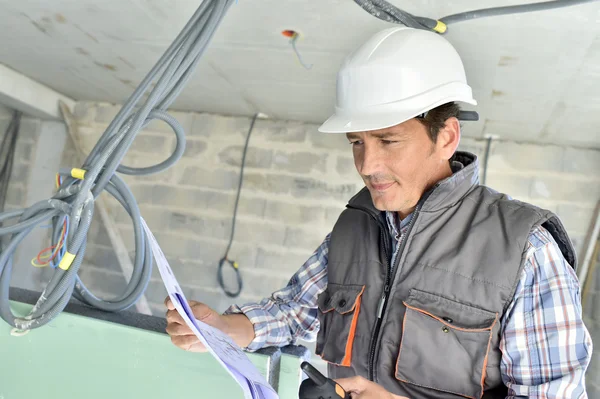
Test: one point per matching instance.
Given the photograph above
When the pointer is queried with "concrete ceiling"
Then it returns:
(536, 76)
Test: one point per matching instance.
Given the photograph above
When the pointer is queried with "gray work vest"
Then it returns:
(429, 325)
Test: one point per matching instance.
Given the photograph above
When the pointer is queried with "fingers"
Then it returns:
(169, 303)
(353, 384)
(200, 310)
(181, 335)
(173, 316)
(178, 329)
(188, 343)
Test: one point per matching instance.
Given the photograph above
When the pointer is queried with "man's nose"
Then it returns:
(370, 160)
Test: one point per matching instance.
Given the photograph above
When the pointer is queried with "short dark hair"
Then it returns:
(435, 119)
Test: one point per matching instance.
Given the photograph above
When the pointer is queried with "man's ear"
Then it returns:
(449, 138)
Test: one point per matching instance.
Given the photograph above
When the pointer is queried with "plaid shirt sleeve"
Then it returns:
(290, 313)
(545, 346)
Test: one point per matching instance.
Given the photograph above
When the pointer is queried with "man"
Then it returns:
(429, 285)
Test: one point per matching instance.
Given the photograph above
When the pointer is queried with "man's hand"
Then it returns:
(361, 388)
(237, 326)
(181, 335)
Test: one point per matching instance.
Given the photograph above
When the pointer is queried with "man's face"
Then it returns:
(398, 164)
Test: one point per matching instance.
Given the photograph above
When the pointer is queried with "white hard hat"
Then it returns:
(398, 74)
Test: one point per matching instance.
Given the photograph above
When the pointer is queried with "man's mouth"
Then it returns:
(381, 187)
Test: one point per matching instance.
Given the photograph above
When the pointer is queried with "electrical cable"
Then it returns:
(293, 41)
(7, 155)
(507, 10)
(225, 259)
(390, 13)
(59, 248)
(294, 36)
(81, 186)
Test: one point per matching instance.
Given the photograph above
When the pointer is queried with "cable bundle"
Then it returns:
(71, 209)
(52, 255)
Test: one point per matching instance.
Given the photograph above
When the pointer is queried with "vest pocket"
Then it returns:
(445, 344)
(339, 306)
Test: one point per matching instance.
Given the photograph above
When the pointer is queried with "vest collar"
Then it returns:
(451, 190)
(444, 194)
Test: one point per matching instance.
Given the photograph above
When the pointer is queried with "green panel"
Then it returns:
(80, 357)
(290, 376)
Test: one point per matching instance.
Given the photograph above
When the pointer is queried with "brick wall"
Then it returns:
(297, 181)
(296, 184)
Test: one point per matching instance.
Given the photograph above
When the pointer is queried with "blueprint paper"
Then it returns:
(221, 346)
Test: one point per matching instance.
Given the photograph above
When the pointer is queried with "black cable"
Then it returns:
(225, 258)
(485, 159)
(7, 155)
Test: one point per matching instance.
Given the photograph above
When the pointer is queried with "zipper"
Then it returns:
(380, 307)
(390, 273)
(386, 288)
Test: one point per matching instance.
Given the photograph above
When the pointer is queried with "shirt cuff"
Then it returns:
(257, 317)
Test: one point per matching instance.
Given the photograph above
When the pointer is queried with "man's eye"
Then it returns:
(387, 141)
(355, 142)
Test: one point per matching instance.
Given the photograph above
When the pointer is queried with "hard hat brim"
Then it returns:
(348, 122)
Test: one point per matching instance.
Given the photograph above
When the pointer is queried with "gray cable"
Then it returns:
(517, 9)
(378, 12)
(390, 13)
(75, 198)
(7, 155)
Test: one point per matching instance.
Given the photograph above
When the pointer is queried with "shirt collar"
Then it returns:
(395, 226)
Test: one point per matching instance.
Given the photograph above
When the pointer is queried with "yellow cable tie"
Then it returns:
(440, 27)
(66, 261)
(78, 173)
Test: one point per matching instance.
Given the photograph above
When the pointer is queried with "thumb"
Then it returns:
(351, 384)
(202, 312)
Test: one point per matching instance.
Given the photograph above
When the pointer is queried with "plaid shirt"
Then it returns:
(545, 346)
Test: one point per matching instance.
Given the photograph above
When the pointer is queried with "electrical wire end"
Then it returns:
(294, 36)
(16, 332)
